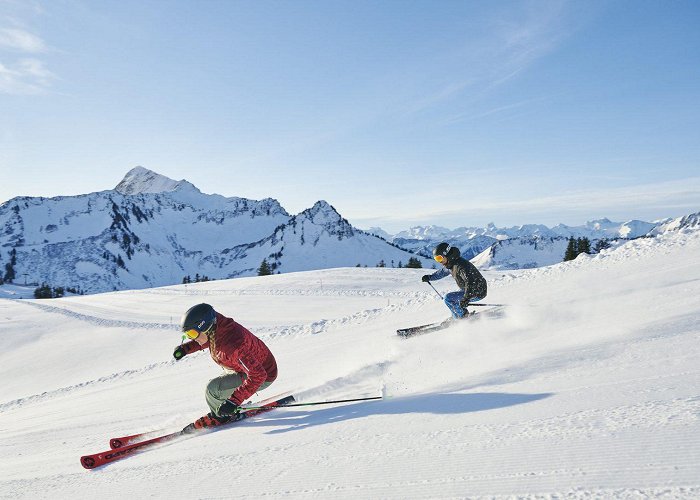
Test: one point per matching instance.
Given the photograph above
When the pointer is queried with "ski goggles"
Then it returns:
(192, 334)
(441, 259)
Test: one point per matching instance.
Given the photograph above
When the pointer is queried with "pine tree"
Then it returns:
(43, 292)
(9, 273)
(601, 245)
(264, 269)
(414, 263)
(571, 250)
(39, 292)
(10, 267)
(381, 263)
(584, 246)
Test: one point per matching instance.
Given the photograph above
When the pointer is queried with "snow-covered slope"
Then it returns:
(528, 253)
(688, 222)
(587, 388)
(153, 231)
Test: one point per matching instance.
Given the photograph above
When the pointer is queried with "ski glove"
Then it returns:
(425, 278)
(179, 353)
(229, 409)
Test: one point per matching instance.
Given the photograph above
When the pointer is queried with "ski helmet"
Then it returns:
(200, 318)
(444, 253)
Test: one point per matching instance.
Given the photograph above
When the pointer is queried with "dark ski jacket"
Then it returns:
(466, 275)
(235, 348)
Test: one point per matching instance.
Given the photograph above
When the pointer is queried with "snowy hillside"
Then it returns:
(522, 253)
(153, 231)
(587, 388)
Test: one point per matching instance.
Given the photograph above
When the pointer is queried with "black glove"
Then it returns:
(229, 409)
(179, 353)
(425, 278)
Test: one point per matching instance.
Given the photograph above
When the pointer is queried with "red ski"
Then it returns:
(106, 457)
(120, 442)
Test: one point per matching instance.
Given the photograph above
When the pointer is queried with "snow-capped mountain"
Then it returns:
(153, 231)
(597, 229)
(141, 180)
(517, 247)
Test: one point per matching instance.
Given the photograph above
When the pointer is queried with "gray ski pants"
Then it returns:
(219, 389)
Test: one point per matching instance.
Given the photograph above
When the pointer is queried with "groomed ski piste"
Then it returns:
(588, 387)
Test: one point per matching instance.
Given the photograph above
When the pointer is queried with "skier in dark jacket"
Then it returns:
(468, 278)
(248, 364)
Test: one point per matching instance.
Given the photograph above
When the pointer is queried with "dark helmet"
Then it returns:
(444, 253)
(201, 317)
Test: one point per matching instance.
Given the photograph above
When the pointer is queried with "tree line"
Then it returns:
(577, 246)
(265, 269)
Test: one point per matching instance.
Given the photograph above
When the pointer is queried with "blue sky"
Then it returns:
(399, 113)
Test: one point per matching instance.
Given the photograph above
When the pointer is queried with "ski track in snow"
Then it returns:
(302, 292)
(682, 412)
(97, 321)
(324, 325)
(414, 299)
(62, 391)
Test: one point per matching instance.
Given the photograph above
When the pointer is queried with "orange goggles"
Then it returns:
(441, 259)
(192, 334)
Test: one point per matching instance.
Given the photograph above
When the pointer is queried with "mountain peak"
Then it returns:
(322, 209)
(324, 215)
(142, 180)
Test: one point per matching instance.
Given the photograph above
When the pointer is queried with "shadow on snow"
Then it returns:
(438, 404)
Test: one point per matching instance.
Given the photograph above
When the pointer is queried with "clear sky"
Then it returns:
(398, 113)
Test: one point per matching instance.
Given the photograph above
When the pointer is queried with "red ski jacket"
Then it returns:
(233, 347)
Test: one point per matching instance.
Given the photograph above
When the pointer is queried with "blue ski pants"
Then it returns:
(452, 301)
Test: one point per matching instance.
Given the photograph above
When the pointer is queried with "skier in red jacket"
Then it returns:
(248, 364)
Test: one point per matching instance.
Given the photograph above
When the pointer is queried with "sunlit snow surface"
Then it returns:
(589, 386)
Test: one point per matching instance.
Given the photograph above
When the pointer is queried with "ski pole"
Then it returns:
(315, 403)
(431, 286)
(471, 303)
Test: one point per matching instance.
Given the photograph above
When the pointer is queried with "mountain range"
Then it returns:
(527, 246)
(152, 231)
